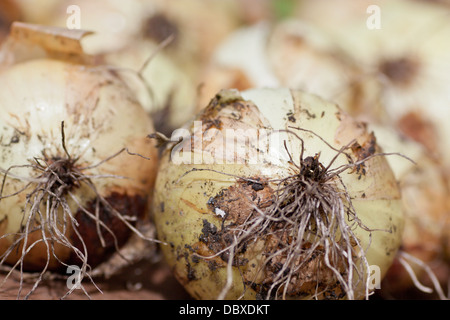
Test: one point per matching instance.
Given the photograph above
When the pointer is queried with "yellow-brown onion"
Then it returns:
(224, 173)
(76, 167)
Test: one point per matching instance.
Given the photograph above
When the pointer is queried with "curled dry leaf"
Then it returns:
(29, 41)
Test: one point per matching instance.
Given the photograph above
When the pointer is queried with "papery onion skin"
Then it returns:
(184, 193)
(101, 118)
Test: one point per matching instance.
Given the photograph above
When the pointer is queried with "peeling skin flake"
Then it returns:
(220, 212)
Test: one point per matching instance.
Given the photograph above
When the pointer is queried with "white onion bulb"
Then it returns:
(76, 165)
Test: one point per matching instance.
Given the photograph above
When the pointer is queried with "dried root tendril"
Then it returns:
(47, 213)
(405, 259)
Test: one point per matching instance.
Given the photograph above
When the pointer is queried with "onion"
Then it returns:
(304, 57)
(408, 55)
(276, 193)
(130, 33)
(427, 225)
(290, 53)
(165, 90)
(408, 58)
(197, 25)
(114, 24)
(76, 166)
(239, 62)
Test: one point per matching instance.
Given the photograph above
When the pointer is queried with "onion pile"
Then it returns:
(408, 56)
(308, 155)
(77, 168)
(273, 193)
(292, 54)
(165, 42)
(406, 62)
(361, 69)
